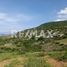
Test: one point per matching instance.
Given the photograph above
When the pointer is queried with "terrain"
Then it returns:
(42, 46)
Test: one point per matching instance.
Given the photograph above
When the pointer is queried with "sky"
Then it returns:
(17, 15)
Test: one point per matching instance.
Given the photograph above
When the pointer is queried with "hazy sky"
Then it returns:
(21, 14)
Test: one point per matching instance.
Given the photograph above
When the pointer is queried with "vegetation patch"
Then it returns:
(36, 62)
(61, 56)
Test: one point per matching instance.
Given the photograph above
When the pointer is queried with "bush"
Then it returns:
(60, 56)
(40, 54)
(64, 57)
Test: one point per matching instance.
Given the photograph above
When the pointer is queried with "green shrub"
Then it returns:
(60, 56)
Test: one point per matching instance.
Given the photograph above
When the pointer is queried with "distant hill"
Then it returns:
(53, 25)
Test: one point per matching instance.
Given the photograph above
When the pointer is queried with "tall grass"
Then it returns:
(36, 62)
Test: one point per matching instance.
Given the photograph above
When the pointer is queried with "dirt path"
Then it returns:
(55, 63)
(3, 63)
(22, 60)
(8, 61)
(51, 61)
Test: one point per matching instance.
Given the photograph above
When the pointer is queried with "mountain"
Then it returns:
(53, 25)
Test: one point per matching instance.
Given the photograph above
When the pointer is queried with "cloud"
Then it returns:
(62, 14)
(59, 19)
(9, 22)
(63, 11)
(14, 18)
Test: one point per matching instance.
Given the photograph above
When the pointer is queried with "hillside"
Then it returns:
(42, 46)
(50, 36)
